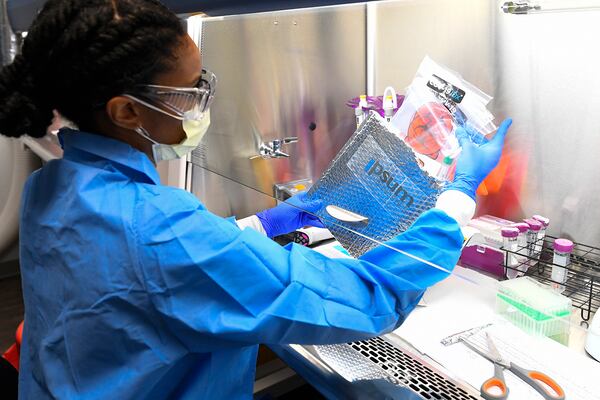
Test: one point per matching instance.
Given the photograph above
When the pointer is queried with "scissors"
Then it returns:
(536, 379)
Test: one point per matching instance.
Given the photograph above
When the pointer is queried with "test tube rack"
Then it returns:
(582, 284)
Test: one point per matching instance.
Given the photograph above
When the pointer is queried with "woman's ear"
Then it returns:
(123, 112)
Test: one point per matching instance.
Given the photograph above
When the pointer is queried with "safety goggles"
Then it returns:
(179, 101)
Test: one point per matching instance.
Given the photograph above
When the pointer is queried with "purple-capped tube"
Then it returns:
(532, 237)
(510, 243)
(562, 257)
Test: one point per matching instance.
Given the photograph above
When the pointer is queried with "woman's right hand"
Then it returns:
(476, 162)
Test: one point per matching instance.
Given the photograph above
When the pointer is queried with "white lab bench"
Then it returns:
(464, 300)
(483, 298)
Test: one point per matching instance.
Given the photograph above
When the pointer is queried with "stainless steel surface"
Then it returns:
(282, 71)
(348, 366)
(454, 33)
(227, 197)
(547, 80)
(8, 41)
(281, 74)
(542, 76)
(284, 190)
(273, 149)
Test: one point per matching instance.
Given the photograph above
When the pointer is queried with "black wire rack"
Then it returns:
(582, 283)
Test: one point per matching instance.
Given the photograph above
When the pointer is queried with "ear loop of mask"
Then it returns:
(140, 130)
(143, 132)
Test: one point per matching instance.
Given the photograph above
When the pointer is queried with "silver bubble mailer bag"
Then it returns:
(375, 175)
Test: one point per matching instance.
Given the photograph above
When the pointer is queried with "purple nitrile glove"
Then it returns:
(295, 213)
(476, 162)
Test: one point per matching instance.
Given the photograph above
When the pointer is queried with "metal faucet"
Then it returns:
(272, 149)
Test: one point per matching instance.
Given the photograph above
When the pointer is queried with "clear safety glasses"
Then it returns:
(178, 101)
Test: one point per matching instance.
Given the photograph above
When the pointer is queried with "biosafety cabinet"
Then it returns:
(280, 116)
(290, 73)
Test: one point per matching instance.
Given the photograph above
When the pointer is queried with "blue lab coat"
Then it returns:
(133, 290)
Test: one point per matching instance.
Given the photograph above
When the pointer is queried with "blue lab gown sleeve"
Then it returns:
(216, 286)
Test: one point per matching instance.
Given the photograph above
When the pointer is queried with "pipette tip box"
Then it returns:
(534, 307)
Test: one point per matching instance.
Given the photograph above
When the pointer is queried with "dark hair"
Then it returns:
(80, 53)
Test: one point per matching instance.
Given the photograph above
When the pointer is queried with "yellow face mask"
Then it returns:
(195, 126)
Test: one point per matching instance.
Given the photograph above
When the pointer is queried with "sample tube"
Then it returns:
(532, 237)
(358, 113)
(542, 233)
(388, 108)
(444, 170)
(361, 112)
(390, 102)
(510, 243)
(562, 258)
(522, 246)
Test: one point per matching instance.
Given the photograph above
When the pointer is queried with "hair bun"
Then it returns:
(20, 112)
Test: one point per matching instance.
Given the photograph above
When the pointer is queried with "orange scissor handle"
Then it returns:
(540, 382)
(538, 376)
(487, 391)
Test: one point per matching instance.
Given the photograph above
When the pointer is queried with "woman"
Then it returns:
(133, 289)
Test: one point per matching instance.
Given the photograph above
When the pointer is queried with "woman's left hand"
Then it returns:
(295, 213)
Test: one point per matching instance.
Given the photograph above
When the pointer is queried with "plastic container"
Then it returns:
(497, 220)
(561, 259)
(523, 229)
(361, 111)
(535, 247)
(522, 248)
(445, 168)
(363, 104)
(390, 103)
(487, 257)
(491, 229)
(535, 308)
(542, 233)
(510, 237)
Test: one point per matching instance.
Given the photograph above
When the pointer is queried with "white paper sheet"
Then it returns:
(456, 304)
(577, 375)
(466, 301)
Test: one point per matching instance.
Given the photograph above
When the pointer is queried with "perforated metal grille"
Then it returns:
(408, 371)
(350, 364)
